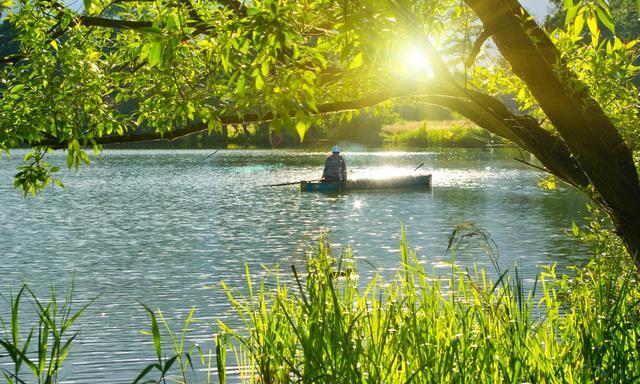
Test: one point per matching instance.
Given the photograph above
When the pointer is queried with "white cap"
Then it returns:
(335, 149)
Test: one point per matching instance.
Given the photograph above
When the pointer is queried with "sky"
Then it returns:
(538, 8)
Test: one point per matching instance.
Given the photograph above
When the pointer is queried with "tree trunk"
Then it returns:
(588, 133)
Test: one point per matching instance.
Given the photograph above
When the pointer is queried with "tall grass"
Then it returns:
(36, 354)
(323, 325)
(324, 328)
(454, 133)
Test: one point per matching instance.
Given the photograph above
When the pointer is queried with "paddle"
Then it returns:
(290, 183)
(418, 167)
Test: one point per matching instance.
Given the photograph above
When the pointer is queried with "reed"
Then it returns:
(323, 327)
(161, 369)
(454, 133)
(37, 353)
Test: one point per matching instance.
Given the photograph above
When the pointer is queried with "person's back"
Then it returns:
(335, 168)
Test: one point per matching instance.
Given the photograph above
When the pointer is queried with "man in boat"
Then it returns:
(335, 168)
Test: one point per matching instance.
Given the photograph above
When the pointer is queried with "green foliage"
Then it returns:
(466, 328)
(362, 126)
(579, 12)
(605, 64)
(179, 353)
(36, 174)
(438, 134)
(46, 344)
(325, 325)
(608, 67)
(548, 182)
(183, 64)
(610, 70)
(623, 13)
(83, 76)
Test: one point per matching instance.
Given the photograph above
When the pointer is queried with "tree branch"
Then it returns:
(113, 23)
(477, 45)
(197, 23)
(198, 127)
(524, 131)
(486, 111)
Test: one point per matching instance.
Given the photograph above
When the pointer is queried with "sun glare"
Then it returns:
(416, 63)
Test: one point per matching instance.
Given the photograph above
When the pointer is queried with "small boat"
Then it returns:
(420, 181)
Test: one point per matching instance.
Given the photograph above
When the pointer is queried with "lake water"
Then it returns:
(165, 227)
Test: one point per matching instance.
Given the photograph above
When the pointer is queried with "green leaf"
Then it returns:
(155, 332)
(259, 82)
(356, 61)
(240, 86)
(213, 125)
(578, 24)
(16, 88)
(154, 30)
(574, 229)
(87, 5)
(146, 370)
(592, 23)
(548, 183)
(301, 128)
(64, 22)
(571, 14)
(155, 54)
(301, 125)
(252, 11)
(605, 18)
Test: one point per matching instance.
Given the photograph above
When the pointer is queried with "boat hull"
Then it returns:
(421, 181)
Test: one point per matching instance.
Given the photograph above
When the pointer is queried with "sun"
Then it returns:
(415, 63)
(417, 60)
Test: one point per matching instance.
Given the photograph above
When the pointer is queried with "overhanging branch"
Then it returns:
(198, 127)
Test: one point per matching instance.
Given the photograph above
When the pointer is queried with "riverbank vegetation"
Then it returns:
(322, 324)
(464, 327)
(443, 133)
